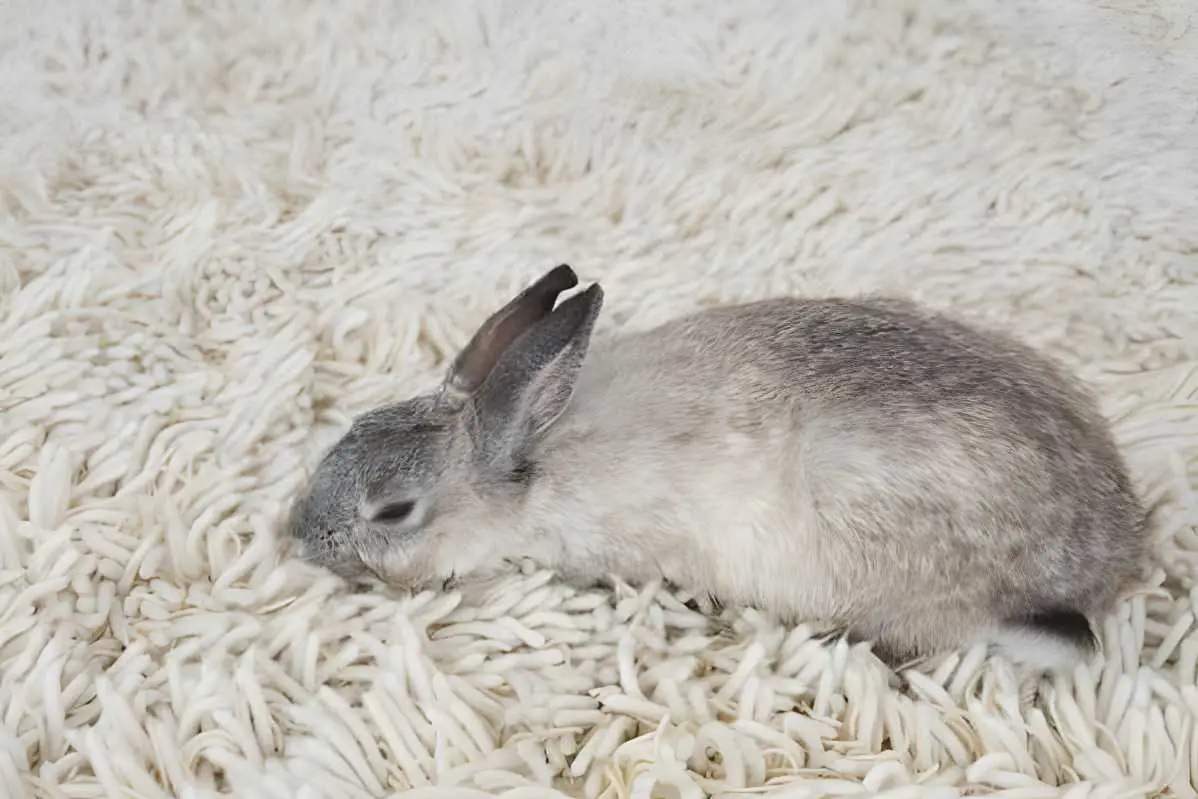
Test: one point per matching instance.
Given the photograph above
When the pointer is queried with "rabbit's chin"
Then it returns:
(400, 585)
(412, 572)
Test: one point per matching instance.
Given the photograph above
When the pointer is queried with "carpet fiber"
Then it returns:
(227, 227)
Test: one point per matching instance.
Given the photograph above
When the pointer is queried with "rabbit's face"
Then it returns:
(375, 489)
(410, 491)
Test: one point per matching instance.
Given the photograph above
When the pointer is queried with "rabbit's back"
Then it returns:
(913, 476)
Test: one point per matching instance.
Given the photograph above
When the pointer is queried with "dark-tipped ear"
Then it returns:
(478, 358)
(533, 382)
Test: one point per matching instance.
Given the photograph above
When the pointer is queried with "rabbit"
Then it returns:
(921, 483)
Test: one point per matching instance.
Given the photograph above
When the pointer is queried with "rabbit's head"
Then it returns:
(414, 492)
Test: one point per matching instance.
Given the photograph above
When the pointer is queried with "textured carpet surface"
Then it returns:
(227, 227)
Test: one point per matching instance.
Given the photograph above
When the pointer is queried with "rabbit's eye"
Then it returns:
(395, 512)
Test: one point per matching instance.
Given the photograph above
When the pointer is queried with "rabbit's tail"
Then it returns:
(1052, 640)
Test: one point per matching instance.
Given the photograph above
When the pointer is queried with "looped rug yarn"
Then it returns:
(228, 227)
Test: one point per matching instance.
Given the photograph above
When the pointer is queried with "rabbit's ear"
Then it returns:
(476, 361)
(533, 382)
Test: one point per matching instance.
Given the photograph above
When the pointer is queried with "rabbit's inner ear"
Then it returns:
(532, 383)
(476, 361)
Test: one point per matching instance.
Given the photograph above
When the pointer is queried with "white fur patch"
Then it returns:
(227, 227)
(1036, 652)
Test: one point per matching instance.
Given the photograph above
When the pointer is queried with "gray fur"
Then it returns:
(924, 483)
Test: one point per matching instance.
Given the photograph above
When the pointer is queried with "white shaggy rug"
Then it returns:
(226, 227)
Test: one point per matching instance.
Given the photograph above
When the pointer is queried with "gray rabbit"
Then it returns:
(924, 484)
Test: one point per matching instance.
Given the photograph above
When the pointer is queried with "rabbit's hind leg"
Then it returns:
(1053, 639)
